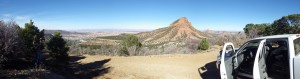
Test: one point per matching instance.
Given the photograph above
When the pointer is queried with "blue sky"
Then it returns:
(224, 15)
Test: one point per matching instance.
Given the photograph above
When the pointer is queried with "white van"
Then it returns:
(264, 57)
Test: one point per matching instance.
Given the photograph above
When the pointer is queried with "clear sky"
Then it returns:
(226, 15)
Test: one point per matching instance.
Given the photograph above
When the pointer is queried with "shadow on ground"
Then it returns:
(89, 70)
(209, 71)
(75, 70)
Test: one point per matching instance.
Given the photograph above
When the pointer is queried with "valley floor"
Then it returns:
(172, 66)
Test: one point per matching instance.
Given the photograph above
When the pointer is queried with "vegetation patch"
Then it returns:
(118, 37)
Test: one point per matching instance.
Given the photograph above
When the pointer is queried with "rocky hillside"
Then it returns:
(179, 30)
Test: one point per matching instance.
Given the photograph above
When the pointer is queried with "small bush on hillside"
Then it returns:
(130, 46)
(203, 45)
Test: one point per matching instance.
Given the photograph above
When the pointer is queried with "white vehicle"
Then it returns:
(227, 55)
(275, 56)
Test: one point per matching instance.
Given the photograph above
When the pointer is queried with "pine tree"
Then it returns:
(34, 41)
(58, 51)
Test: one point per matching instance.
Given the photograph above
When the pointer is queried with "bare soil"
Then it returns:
(171, 66)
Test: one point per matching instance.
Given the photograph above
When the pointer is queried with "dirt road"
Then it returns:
(173, 66)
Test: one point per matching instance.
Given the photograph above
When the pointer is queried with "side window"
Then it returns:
(297, 46)
(229, 52)
(277, 58)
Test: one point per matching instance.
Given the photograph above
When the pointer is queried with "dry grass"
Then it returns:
(169, 66)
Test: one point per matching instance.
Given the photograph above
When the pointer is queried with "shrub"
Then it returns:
(192, 45)
(11, 44)
(203, 45)
(130, 46)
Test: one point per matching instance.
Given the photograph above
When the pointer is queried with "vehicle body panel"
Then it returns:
(297, 67)
(259, 71)
(225, 69)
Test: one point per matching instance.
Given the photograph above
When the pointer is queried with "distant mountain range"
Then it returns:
(61, 32)
(111, 30)
(179, 30)
(94, 31)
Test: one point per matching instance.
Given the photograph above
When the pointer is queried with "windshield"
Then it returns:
(249, 47)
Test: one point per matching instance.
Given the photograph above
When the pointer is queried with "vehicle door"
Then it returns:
(297, 67)
(296, 59)
(259, 69)
(226, 67)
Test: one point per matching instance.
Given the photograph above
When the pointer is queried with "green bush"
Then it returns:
(130, 45)
(58, 51)
(203, 45)
(33, 39)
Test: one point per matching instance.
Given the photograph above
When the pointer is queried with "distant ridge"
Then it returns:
(179, 30)
(110, 30)
(61, 32)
